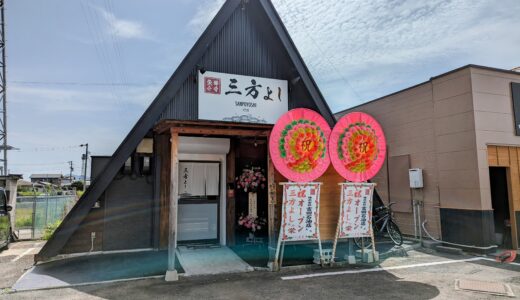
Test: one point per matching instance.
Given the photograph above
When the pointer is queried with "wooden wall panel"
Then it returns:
(329, 202)
(503, 156)
(514, 190)
(516, 196)
(492, 156)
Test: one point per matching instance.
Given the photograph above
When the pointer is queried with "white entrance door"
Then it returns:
(199, 201)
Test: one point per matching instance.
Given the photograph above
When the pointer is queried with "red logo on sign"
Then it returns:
(212, 85)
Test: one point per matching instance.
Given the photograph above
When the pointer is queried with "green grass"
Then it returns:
(49, 230)
(23, 222)
(29, 193)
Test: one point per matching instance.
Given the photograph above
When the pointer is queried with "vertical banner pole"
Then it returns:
(281, 254)
(318, 224)
(337, 228)
(362, 249)
(350, 247)
(276, 265)
(372, 227)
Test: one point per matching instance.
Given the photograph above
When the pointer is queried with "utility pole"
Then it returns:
(71, 164)
(85, 157)
(3, 97)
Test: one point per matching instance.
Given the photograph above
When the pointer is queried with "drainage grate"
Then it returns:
(488, 287)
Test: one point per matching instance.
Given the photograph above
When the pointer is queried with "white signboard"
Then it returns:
(252, 204)
(355, 219)
(300, 214)
(238, 98)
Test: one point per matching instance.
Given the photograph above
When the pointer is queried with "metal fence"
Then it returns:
(35, 213)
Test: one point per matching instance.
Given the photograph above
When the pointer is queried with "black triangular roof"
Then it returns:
(160, 103)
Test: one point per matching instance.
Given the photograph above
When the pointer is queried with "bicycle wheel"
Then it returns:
(367, 242)
(394, 233)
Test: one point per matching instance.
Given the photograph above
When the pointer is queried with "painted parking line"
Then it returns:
(22, 255)
(379, 269)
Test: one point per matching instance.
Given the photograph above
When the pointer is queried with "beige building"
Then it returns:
(459, 127)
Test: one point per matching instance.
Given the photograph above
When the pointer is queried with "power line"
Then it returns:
(48, 148)
(102, 54)
(75, 83)
(116, 43)
(41, 164)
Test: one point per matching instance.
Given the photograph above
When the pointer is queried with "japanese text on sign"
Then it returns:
(300, 216)
(356, 210)
(237, 98)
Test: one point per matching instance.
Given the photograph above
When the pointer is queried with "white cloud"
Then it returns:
(125, 29)
(206, 10)
(373, 48)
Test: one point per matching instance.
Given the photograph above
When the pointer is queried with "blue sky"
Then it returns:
(85, 70)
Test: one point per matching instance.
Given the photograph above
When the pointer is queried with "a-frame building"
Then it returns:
(131, 204)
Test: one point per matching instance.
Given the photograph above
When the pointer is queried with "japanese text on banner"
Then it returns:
(300, 212)
(356, 210)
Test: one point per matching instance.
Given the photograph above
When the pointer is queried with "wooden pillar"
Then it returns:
(164, 153)
(171, 273)
(271, 211)
(230, 201)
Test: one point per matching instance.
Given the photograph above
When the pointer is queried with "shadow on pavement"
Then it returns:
(94, 268)
(269, 285)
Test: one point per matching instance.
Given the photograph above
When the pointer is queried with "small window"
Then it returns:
(145, 165)
(127, 167)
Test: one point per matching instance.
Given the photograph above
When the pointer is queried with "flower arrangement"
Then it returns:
(251, 222)
(302, 144)
(251, 180)
(357, 147)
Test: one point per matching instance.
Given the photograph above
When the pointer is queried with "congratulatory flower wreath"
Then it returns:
(302, 144)
(298, 145)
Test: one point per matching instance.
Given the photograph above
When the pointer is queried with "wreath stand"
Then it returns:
(351, 258)
(280, 247)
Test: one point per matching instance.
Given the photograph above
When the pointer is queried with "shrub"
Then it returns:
(78, 185)
(49, 230)
(29, 193)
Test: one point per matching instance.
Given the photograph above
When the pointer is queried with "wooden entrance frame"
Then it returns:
(509, 157)
(176, 128)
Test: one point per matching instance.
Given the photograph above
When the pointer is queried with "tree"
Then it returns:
(78, 185)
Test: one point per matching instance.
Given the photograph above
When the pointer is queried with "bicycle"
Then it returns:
(382, 220)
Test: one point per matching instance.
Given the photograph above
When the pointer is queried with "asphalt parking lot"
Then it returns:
(16, 260)
(423, 274)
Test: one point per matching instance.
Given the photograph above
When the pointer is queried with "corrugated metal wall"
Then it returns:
(246, 45)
